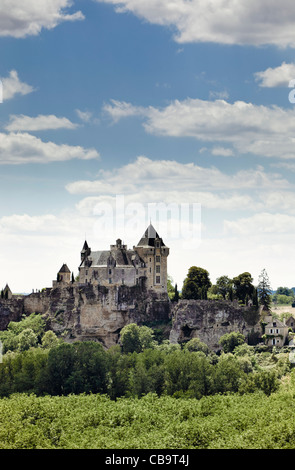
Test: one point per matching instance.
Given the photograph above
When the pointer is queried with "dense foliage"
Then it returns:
(142, 394)
(251, 421)
(138, 367)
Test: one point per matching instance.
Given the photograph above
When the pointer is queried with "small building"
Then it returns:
(63, 275)
(276, 332)
(290, 322)
(6, 293)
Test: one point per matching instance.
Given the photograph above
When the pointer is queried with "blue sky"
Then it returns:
(157, 102)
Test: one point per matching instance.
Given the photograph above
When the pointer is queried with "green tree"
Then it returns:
(170, 288)
(264, 291)
(175, 297)
(285, 291)
(196, 344)
(224, 286)
(49, 340)
(136, 338)
(196, 284)
(243, 287)
(230, 341)
(26, 339)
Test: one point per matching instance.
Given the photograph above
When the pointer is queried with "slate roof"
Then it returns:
(118, 257)
(275, 324)
(64, 269)
(149, 236)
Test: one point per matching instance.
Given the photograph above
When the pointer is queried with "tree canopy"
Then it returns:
(196, 284)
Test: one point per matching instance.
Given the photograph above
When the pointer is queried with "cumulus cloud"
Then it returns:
(276, 77)
(21, 148)
(19, 18)
(162, 175)
(261, 223)
(263, 130)
(120, 109)
(12, 86)
(219, 21)
(38, 123)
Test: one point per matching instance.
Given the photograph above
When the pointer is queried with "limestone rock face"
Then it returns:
(81, 312)
(89, 312)
(10, 310)
(209, 320)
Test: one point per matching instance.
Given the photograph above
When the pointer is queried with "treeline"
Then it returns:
(138, 367)
(197, 285)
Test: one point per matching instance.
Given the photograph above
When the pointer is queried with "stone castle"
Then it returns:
(145, 265)
(119, 286)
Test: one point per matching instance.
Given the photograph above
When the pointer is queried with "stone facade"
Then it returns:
(276, 332)
(144, 265)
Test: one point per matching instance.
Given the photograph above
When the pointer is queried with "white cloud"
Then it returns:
(276, 77)
(261, 223)
(19, 18)
(38, 123)
(120, 109)
(151, 176)
(223, 152)
(263, 130)
(219, 21)
(84, 115)
(221, 95)
(21, 148)
(13, 86)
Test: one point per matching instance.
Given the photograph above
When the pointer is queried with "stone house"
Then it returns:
(276, 332)
(290, 322)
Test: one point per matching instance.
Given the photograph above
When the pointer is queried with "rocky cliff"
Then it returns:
(89, 312)
(210, 319)
(92, 312)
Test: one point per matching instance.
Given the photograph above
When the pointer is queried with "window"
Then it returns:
(137, 272)
(278, 330)
(158, 259)
(110, 271)
(158, 245)
(122, 272)
(158, 269)
(110, 281)
(158, 280)
(270, 330)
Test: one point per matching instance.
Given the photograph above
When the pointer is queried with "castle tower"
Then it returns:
(85, 251)
(64, 274)
(154, 253)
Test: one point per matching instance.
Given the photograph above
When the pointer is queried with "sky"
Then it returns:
(115, 114)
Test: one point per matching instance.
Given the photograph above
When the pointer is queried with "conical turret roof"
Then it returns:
(149, 236)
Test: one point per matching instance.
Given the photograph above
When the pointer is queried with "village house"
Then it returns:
(276, 332)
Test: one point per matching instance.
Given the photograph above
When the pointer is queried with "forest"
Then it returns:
(36, 361)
